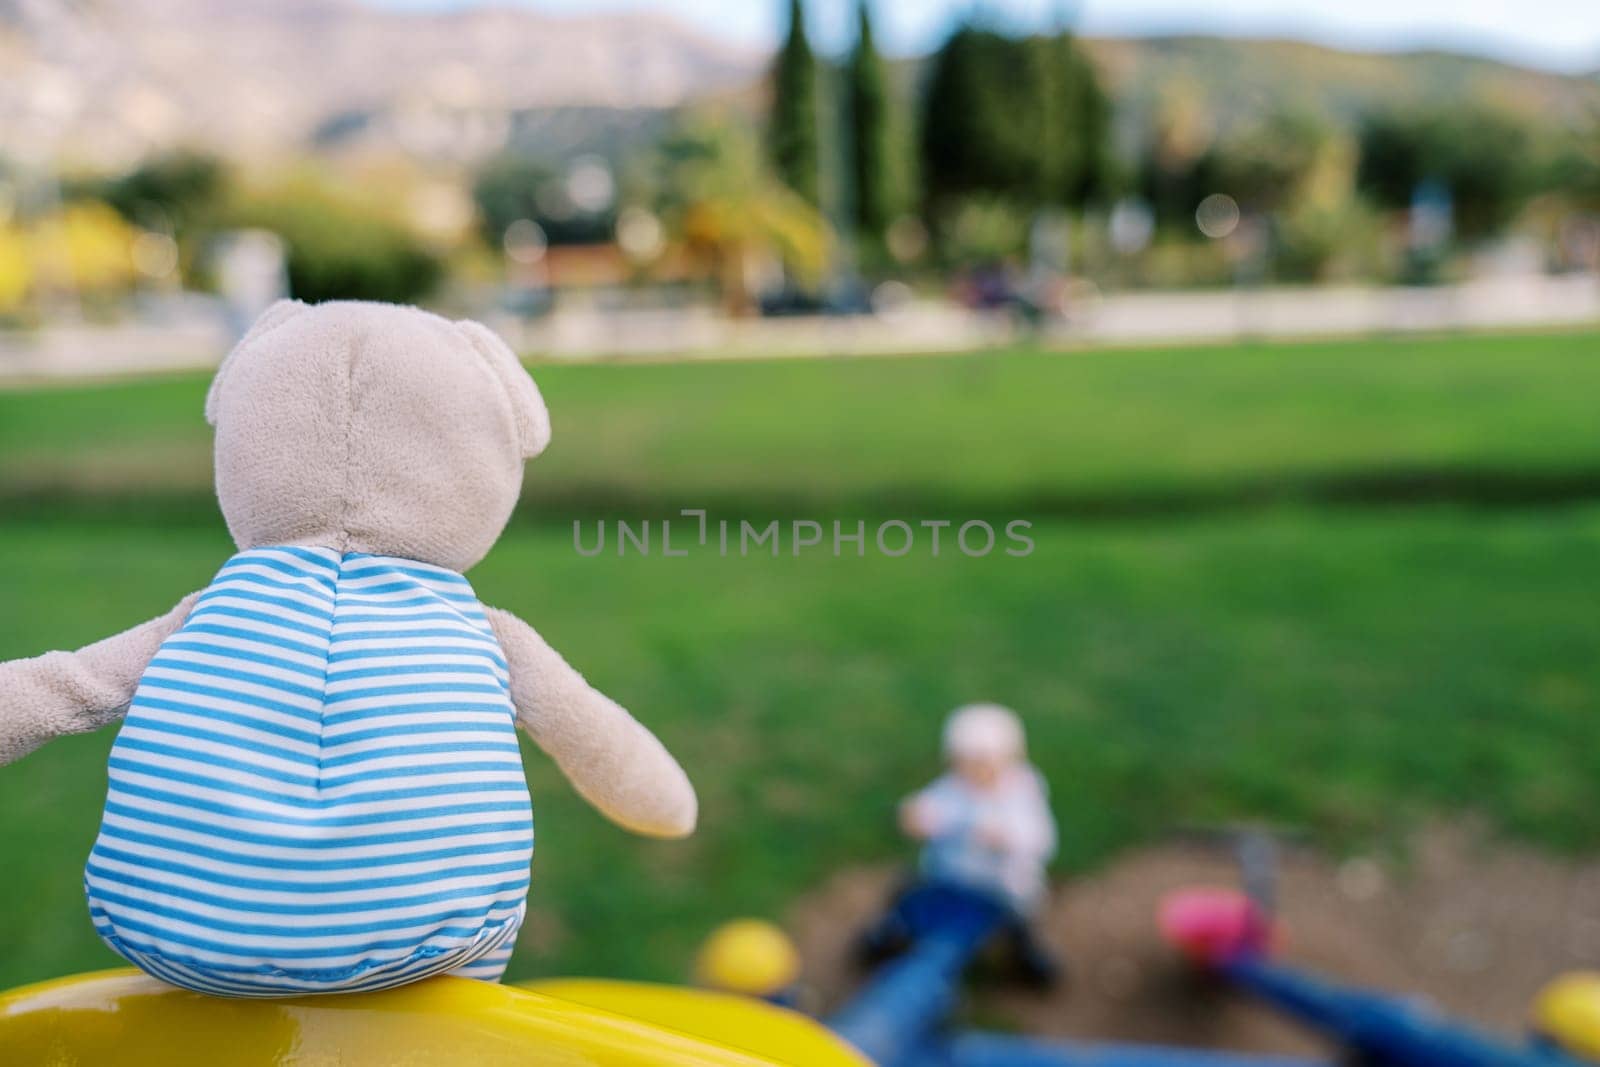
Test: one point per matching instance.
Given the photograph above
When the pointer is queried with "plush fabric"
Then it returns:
(371, 428)
(345, 431)
(613, 762)
(62, 693)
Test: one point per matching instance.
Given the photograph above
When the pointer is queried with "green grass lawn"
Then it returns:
(1351, 670)
(989, 429)
(1344, 671)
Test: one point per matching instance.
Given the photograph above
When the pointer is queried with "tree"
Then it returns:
(874, 166)
(514, 187)
(1480, 155)
(793, 131)
(1024, 119)
(182, 195)
(505, 190)
(1077, 123)
(176, 191)
(340, 246)
(1267, 165)
(979, 128)
(717, 194)
(1174, 169)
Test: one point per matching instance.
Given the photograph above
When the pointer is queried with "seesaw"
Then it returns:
(900, 1017)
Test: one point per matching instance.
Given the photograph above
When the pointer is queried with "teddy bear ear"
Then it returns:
(275, 316)
(533, 418)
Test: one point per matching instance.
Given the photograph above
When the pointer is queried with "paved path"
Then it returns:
(584, 333)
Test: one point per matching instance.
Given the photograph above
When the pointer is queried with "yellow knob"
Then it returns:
(1567, 1013)
(748, 956)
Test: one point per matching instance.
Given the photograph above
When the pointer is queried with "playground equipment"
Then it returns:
(751, 957)
(1232, 934)
(128, 1019)
(1566, 1014)
(1228, 934)
(899, 1018)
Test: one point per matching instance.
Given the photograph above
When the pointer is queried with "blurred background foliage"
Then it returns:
(859, 166)
(339, 246)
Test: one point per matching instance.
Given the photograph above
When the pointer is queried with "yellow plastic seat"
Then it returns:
(759, 1028)
(126, 1018)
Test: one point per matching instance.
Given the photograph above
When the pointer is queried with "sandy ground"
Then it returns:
(1477, 927)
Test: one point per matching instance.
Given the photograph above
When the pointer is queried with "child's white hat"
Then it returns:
(984, 732)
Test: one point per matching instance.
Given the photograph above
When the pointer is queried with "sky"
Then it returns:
(1559, 34)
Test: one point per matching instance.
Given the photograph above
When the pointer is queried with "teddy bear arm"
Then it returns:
(73, 692)
(612, 760)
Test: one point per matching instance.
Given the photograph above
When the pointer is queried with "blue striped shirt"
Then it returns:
(318, 786)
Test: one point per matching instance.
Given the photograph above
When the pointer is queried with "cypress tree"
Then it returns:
(872, 161)
(982, 129)
(1022, 119)
(1077, 121)
(793, 134)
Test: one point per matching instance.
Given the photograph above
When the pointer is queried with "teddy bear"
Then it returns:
(317, 786)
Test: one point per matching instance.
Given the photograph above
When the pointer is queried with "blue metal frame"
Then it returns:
(1383, 1029)
(907, 1000)
(897, 1019)
(997, 1050)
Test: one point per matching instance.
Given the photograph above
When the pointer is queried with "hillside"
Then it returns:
(104, 81)
(1239, 76)
(100, 83)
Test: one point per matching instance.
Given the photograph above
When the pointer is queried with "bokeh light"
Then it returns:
(1217, 216)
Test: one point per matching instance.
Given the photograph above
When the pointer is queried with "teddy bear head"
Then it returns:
(372, 428)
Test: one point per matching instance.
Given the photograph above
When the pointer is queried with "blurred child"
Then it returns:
(985, 825)
(987, 822)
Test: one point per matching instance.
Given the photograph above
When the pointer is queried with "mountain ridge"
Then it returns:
(101, 83)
